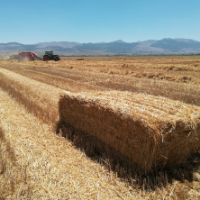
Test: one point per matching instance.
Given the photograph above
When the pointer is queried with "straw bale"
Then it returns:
(148, 130)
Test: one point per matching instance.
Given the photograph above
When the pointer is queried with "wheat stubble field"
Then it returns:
(100, 128)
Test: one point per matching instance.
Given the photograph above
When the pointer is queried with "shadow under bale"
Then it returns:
(98, 150)
(142, 138)
(123, 167)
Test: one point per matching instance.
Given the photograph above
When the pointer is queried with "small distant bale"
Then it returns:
(125, 66)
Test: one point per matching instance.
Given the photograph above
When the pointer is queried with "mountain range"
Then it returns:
(119, 47)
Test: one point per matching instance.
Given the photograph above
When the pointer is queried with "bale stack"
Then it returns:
(148, 130)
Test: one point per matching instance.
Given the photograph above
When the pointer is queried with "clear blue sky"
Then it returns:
(33, 21)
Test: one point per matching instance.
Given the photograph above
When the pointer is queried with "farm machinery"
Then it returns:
(29, 55)
(49, 56)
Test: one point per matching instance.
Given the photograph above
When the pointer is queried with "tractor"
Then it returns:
(49, 56)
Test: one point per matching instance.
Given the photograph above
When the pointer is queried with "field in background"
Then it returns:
(175, 77)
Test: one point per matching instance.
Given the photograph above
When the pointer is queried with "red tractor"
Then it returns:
(49, 56)
(27, 56)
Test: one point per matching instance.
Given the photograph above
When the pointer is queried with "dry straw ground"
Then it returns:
(35, 163)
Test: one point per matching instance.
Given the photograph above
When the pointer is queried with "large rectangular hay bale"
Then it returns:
(148, 130)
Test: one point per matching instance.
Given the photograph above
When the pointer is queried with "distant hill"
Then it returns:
(119, 47)
(177, 45)
(116, 47)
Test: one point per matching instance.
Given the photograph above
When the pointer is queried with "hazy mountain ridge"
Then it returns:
(119, 47)
(176, 45)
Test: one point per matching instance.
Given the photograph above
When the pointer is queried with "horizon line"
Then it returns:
(100, 42)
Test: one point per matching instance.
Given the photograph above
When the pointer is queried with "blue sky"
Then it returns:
(36, 21)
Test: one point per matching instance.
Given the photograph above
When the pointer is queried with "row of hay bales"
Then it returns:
(38, 98)
(151, 131)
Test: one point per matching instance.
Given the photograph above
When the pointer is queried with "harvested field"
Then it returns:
(122, 114)
(150, 75)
